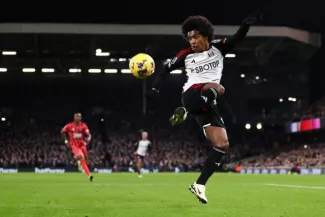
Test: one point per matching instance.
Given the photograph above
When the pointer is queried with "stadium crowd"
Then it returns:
(316, 110)
(31, 143)
(43, 147)
(302, 156)
(28, 142)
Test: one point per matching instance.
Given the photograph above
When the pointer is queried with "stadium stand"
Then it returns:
(50, 71)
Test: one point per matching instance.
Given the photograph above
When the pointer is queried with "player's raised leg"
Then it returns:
(79, 156)
(219, 139)
(139, 165)
(179, 116)
(209, 93)
(85, 157)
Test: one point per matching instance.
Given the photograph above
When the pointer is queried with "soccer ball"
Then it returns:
(142, 65)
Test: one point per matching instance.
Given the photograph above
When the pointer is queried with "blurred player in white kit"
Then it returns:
(141, 152)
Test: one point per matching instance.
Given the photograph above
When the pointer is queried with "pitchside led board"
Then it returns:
(306, 125)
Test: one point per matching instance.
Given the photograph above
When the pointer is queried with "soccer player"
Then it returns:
(76, 136)
(141, 152)
(203, 63)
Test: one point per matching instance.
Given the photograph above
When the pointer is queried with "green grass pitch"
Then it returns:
(160, 195)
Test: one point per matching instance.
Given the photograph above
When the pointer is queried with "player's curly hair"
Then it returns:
(199, 23)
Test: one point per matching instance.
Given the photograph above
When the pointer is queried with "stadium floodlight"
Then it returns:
(247, 126)
(122, 59)
(126, 71)
(242, 75)
(94, 70)
(3, 69)
(259, 126)
(110, 71)
(29, 69)
(48, 70)
(100, 53)
(103, 54)
(9, 53)
(74, 70)
(230, 55)
(292, 99)
(3, 119)
(177, 71)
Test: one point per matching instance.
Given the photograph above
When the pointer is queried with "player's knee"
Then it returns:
(223, 144)
(209, 95)
(79, 157)
(218, 87)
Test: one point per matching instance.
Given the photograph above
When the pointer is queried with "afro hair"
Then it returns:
(200, 24)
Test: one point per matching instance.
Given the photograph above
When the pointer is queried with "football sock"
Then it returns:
(212, 162)
(84, 166)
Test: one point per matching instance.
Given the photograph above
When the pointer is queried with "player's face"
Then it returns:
(197, 41)
(144, 135)
(77, 117)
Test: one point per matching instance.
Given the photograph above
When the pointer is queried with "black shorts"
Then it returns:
(207, 115)
(140, 157)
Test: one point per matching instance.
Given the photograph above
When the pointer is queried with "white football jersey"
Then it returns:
(204, 67)
(143, 147)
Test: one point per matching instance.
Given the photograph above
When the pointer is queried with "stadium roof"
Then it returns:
(115, 29)
(69, 45)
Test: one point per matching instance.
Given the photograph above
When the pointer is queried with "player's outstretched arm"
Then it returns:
(176, 63)
(160, 77)
(227, 44)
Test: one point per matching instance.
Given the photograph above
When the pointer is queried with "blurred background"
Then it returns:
(56, 60)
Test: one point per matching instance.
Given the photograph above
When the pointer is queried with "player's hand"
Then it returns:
(87, 141)
(152, 93)
(253, 18)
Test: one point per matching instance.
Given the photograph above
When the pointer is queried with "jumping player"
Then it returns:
(76, 136)
(141, 152)
(203, 63)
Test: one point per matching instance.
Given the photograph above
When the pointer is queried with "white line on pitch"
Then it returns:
(297, 186)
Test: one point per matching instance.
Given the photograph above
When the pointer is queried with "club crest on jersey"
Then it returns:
(211, 54)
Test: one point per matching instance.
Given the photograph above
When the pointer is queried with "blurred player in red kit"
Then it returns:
(76, 136)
